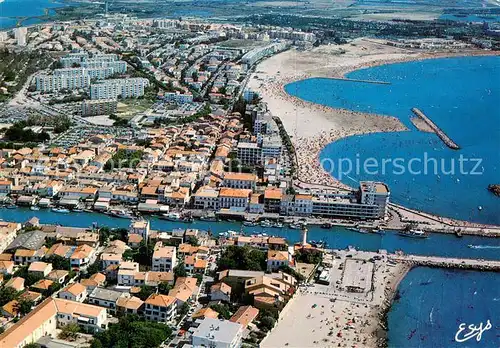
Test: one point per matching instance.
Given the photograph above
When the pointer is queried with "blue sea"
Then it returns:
(460, 95)
(10, 10)
(434, 302)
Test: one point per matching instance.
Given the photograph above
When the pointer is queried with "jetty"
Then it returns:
(361, 81)
(447, 262)
(442, 135)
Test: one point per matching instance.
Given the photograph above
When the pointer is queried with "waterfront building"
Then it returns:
(230, 198)
(259, 53)
(140, 227)
(375, 193)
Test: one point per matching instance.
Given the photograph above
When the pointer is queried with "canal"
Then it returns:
(437, 244)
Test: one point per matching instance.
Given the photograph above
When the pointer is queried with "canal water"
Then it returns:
(337, 237)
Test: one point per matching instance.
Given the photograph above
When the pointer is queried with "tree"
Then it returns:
(180, 271)
(31, 345)
(266, 323)
(24, 306)
(222, 309)
(193, 241)
(69, 332)
(130, 331)
(59, 262)
(145, 292)
(7, 294)
(164, 288)
(244, 258)
(183, 310)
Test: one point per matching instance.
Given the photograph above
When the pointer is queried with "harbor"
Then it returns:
(336, 237)
(442, 135)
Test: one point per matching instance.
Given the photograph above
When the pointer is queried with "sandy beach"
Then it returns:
(312, 126)
(329, 316)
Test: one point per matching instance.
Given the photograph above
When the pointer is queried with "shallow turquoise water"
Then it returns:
(434, 302)
(460, 95)
(10, 9)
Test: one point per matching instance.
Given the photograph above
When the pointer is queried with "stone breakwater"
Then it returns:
(439, 132)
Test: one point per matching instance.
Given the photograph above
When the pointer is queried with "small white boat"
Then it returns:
(295, 226)
(34, 208)
(413, 234)
(172, 217)
(60, 210)
(265, 223)
(122, 214)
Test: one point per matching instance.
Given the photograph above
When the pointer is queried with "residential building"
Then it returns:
(140, 227)
(124, 88)
(74, 292)
(106, 298)
(99, 107)
(220, 292)
(239, 180)
(46, 317)
(217, 333)
(164, 258)
(245, 315)
(160, 308)
(40, 268)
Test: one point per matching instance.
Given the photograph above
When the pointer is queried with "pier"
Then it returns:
(446, 262)
(362, 81)
(442, 135)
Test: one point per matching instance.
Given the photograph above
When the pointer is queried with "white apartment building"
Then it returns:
(50, 83)
(239, 180)
(249, 153)
(234, 198)
(99, 107)
(140, 227)
(178, 97)
(164, 258)
(375, 193)
(206, 198)
(160, 308)
(125, 88)
(217, 333)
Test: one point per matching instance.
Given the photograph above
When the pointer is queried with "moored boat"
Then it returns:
(122, 214)
(326, 225)
(172, 217)
(34, 208)
(413, 234)
(60, 210)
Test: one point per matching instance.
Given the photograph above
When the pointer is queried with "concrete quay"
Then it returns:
(442, 135)
(444, 262)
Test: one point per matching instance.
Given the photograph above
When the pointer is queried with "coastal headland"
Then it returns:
(312, 126)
